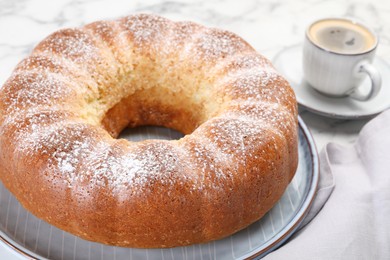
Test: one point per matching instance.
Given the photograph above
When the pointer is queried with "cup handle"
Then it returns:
(376, 82)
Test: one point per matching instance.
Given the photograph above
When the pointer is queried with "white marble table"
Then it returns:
(269, 25)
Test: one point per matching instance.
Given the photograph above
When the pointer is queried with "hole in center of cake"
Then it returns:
(141, 133)
(157, 109)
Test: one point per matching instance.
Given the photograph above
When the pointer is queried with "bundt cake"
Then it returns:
(64, 106)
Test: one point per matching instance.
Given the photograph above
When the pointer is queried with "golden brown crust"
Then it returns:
(62, 106)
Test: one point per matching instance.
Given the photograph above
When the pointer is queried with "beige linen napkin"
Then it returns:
(355, 221)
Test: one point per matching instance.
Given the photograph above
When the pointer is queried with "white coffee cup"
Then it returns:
(337, 56)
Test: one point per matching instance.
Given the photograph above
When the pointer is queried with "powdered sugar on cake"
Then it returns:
(71, 146)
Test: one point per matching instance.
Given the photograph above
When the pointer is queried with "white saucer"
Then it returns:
(289, 63)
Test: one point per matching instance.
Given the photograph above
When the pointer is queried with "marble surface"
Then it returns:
(268, 25)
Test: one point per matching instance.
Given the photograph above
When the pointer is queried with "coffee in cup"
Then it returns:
(341, 36)
(337, 56)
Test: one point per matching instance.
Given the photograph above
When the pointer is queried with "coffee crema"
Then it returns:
(341, 36)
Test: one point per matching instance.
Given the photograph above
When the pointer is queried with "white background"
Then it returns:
(269, 25)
